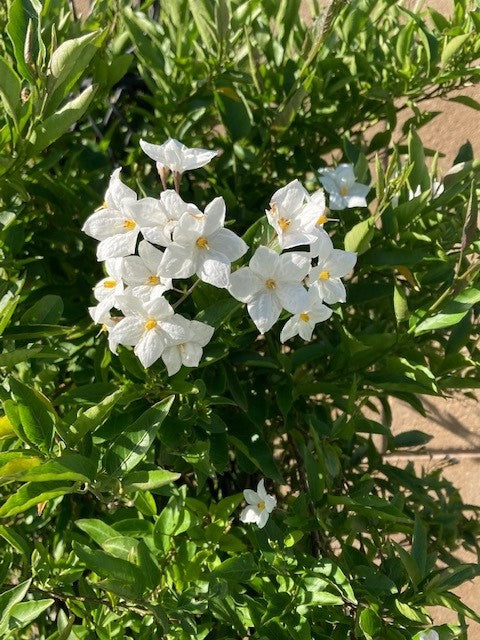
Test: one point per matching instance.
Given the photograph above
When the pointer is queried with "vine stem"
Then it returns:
(186, 294)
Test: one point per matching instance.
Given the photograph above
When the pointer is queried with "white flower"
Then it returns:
(107, 322)
(303, 323)
(176, 156)
(117, 230)
(149, 326)
(117, 192)
(292, 220)
(344, 191)
(142, 272)
(158, 218)
(107, 290)
(189, 351)
(201, 245)
(270, 283)
(260, 506)
(429, 635)
(332, 265)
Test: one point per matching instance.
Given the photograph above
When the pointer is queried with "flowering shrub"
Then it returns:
(224, 479)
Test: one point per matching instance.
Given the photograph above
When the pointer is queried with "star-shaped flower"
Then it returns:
(303, 323)
(203, 246)
(148, 326)
(333, 264)
(292, 219)
(142, 272)
(270, 283)
(175, 156)
(189, 351)
(342, 187)
(260, 506)
(107, 290)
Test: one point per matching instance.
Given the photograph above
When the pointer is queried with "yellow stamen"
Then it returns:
(129, 224)
(322, 219)
(270, 283)
(150, 324)
(104, 328)
(110, 284)
(324, 275)
(304, 316)
(153, 280)
(104, 205)
(261, 505)
(343, 191)
(283, 223)
(202, 242)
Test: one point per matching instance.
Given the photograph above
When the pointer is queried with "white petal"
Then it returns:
(358, 189)
(290, 329)
(264, 262)
(226, 242)
(214, 216)
(250, 514)
(177, 262)
(117, 191)
(264, 310)
(337, 202)
(175, 330)
(172, 359)
(103, 224)
(117, 246)
(149, 348)
(261, 489)
(322, 247)
(191, 354)
(344, 174)
(135, 271)
(130, 305)
(128, 331)
(158, 308)
(332, 290)
(200, 332)
(340, 263)
(270, 503)
(293, 267)
(150, 255)
(214, 268)
(305, 330)
(263, 519)
(244, 284)
(251, 496)
(292, 297)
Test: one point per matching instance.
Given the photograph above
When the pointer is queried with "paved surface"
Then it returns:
(452, 422)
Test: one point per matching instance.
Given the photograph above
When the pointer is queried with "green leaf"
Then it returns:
(98, 530)
(7, 600)
(47, 310)
(400, 304)
(411, 613)
(70, 466)
(203, 21)
(411, 438)
(24, 30)
(451, 47)
(147, 480)
(467, 101)
(16, 541)
(31, 494)
(60, 122)
(172, 521)
(420, 545)
(419, 174)
(10, 88)
(359, 237)
(23, 613)
(36, 414)
(240, 568)
(370, 623)
(452, 312)
(234, 111)
(90, 419)
(131, 446)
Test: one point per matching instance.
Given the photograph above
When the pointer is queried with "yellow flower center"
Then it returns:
(343, 191)
(283, 223)
(270, 283)
(202, 242)
(153, 280)
(322, 219)
(261, 505)
(104, 205)
(110, 284)
(324, 275)
(150, 324)
(129, 224)
(304, 316)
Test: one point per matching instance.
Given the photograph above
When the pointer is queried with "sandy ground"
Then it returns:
(454, 421)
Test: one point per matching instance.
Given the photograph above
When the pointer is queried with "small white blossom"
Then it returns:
(260, 506)
(270, 283)
(203, 246)
(342, 187)
(429, 635)
(107, 290)
(333, 264)
(189, 351)
(142, 272)
(303, 323)
(148, 326)
(175, 156)
(290, 216)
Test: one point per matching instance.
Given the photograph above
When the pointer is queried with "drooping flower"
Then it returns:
(342, 187)
(333, 264)
(292, 219)
(175, 156)
(269, 283)
(107, 290)
(431, 634)
(117, 230)
(303, 323)
(260, 506)
(201, 245)
(189, 351)
(142, 272)
(148, 326)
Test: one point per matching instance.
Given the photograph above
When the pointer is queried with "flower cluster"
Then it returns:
(299, 281)
(146, 244)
